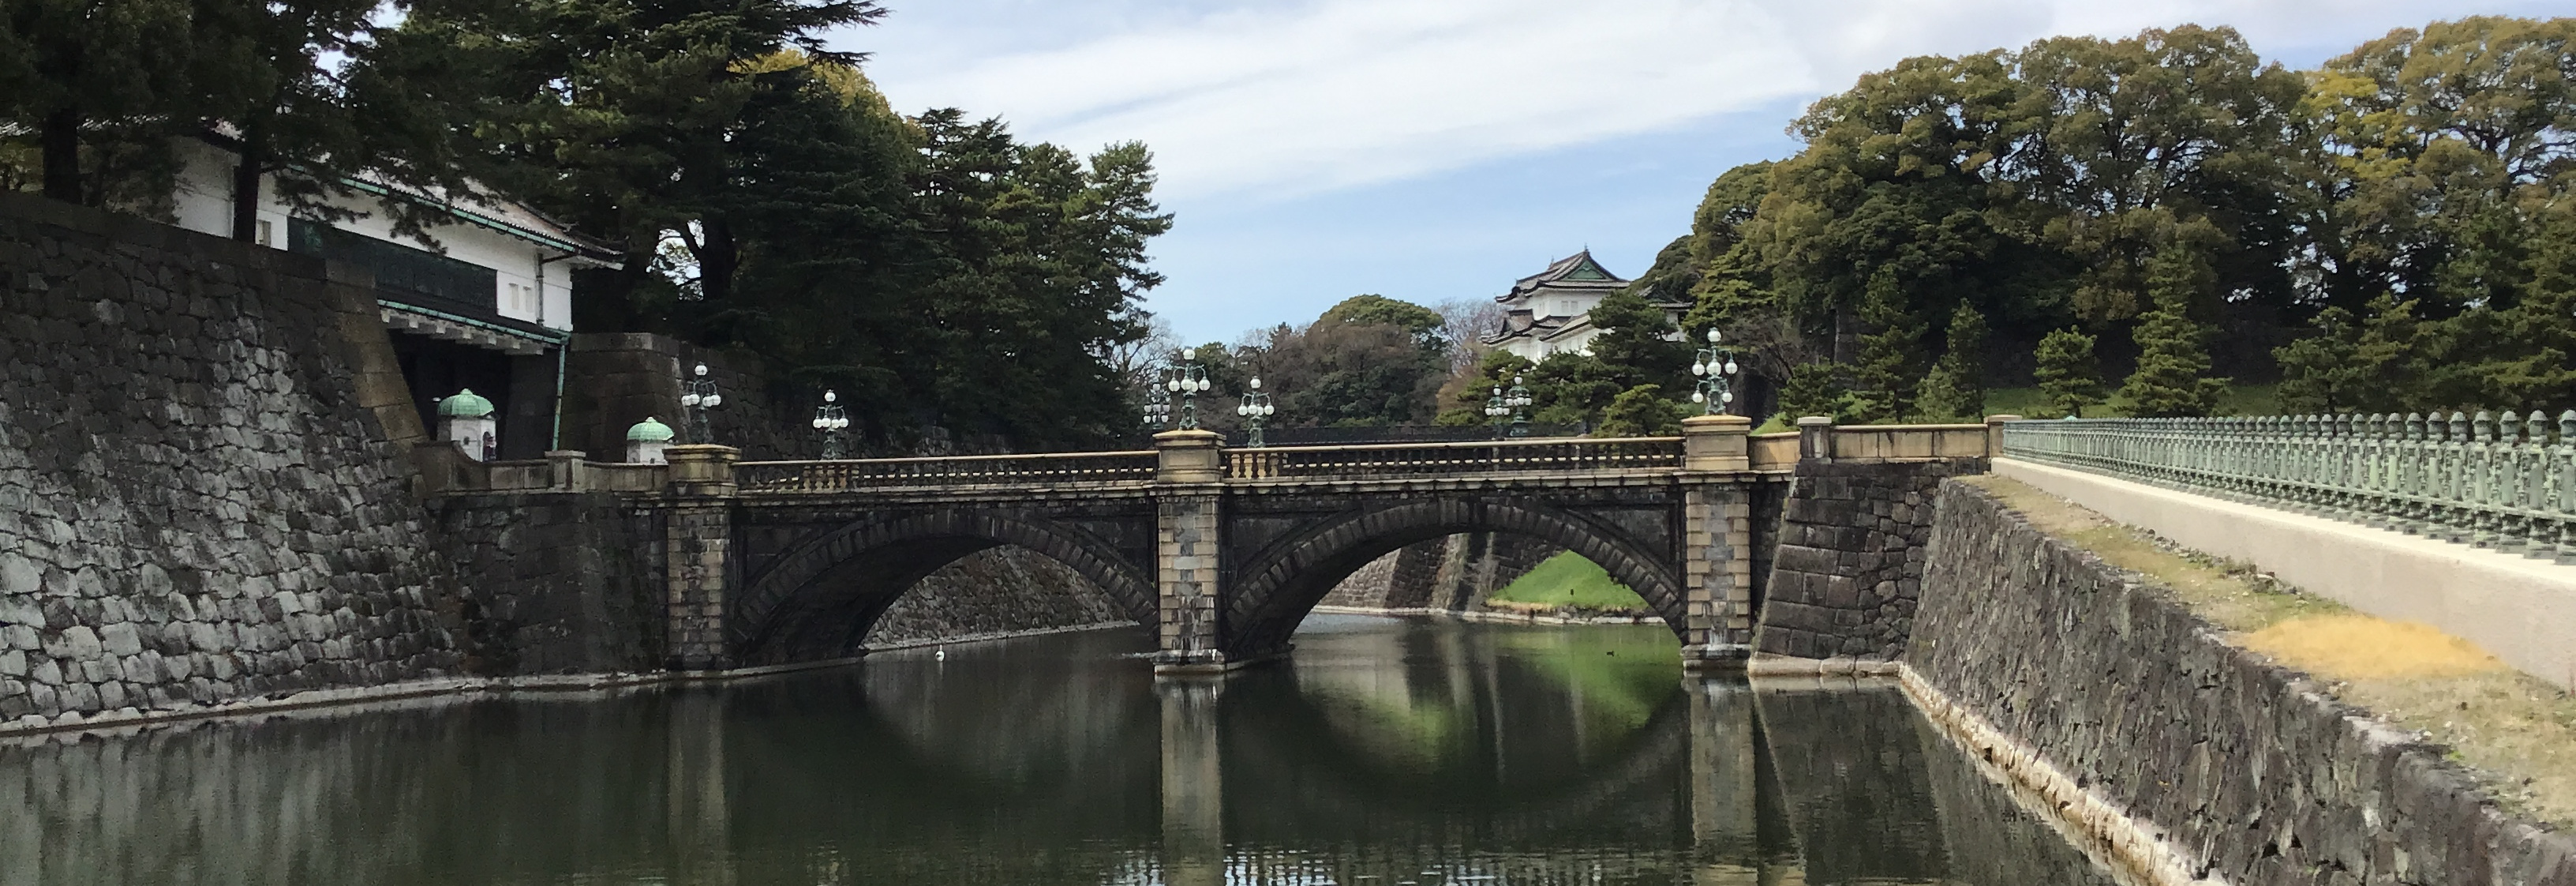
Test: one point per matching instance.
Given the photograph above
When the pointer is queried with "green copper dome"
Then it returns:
(466, 404)
(649, 431)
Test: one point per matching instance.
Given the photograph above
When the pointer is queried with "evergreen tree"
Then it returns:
(2067, 374)
(1637, 341)
(1572, 388)
(72, 71)
(1891, 363)
(1957, 386)
(2172, 379)
(1641, 411)
(1814, 389)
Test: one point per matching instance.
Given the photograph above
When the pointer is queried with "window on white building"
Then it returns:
(1565, 307)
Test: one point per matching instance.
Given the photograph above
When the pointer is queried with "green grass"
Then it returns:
(1569, 580)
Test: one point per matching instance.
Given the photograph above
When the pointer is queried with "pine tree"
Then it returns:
(2172, 379)
(1641, 411)
(1891, 362)
(1813, 389)
(2067, 374)
(1957, 385)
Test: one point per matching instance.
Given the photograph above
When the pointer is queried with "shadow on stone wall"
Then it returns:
(1008, 589)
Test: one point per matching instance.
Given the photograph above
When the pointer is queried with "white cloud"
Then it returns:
(1287, 99)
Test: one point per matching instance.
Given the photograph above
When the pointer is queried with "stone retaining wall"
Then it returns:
(196, 503)
(556, 583)
(2242, 769)
(1848, 569)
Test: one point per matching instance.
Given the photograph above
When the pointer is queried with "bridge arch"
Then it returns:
(1276, 587)
(819, 599)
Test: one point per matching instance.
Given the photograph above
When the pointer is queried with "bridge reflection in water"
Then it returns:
(1387, 752)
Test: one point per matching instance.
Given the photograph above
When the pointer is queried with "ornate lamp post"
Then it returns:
(1157, 413)
(697, 395)
(830, 418)
(1495, 412)
(1256, 411)
(1183, 381)
(1715, 367)
(1518, 399)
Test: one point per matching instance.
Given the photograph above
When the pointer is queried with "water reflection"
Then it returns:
(1388, 752)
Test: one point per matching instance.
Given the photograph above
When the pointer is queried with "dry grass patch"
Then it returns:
(2516, 732)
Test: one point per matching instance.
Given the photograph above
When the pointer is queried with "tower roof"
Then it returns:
(1577, 271)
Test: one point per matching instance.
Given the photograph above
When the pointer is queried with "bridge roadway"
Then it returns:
(1224, 550)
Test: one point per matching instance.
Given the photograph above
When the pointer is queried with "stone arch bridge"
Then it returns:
(1223, 550)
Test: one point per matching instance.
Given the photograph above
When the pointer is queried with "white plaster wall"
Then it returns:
(204, 204)
(2521, 609)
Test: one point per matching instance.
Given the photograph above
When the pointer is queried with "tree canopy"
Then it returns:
(2390, 227)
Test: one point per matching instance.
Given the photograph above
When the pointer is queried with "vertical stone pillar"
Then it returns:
(697, 556)
(1995, 434)
(1717, 542)
(1815, 438)
(1188, 551)
(1717, 574)
(564, 470)
(1193, 783)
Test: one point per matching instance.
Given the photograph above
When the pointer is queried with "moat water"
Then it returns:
(1387, 752)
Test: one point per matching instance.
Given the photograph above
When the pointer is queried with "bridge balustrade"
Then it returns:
(2482, 480)
(967, 470)
(1453, 459)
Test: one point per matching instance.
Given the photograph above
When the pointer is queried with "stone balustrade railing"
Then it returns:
(965, 470)
(1708, 443)
(2504, 483)
(1449, 459)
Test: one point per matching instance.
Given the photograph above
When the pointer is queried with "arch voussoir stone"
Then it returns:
(1279, 584)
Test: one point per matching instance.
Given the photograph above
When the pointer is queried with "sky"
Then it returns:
(1432, 150)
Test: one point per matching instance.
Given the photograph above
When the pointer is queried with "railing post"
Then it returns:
(563, 470)
(1815, 438)
(702, 469)
(1189, 457)
(1995, 434)
(1716, 443)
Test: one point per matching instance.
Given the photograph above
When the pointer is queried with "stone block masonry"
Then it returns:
(2116, 702)
(1847, 572)
(197, 503)
(557, 583)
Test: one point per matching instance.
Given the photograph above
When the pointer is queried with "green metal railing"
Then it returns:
(2494, 483)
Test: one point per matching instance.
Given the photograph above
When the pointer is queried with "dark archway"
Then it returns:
(1275, 587)
(819, 600)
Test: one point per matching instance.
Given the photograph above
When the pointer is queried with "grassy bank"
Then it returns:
(1567, 581)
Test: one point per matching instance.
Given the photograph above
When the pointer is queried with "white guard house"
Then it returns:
(493, 313)
(1551, 310)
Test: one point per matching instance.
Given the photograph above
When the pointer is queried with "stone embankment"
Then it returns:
(2188, 756)
(1848, 572)
(206, 504)
(196, 505)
